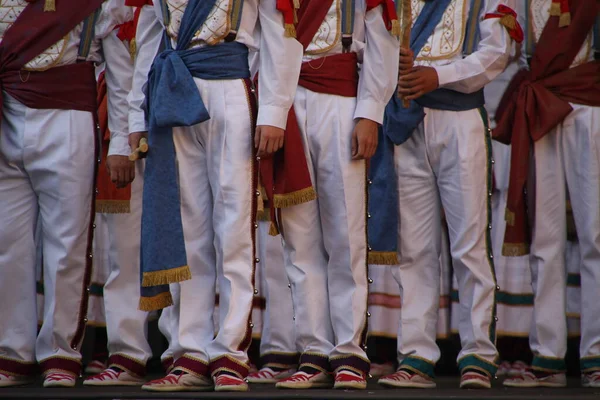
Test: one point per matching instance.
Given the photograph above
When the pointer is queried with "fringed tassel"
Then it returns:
(157, 302)
(396, 29)
(113, 206)
(49, 5)
(515, 249)
(555, 9)
(296, 4)
(263, 215)
(290, 30)
(383, 258)
(564, 20)
(273, 229)
(295, 198)
(132, 49)
(508, 21)
(509, 217)
(166, 277)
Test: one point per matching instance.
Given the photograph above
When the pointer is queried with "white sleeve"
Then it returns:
(379, 73)
(148, 38)
(475, 71)
(279, 67)
(119, 70)
(114, 12)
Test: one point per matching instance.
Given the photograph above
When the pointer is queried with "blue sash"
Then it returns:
(174, 100)
(398, 125)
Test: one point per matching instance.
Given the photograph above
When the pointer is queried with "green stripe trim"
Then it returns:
(548, 364)
(574, 280)
(454, 296)
(419, 364)
(510, 299)
(473, 362)
(590, 364)
(39, 287)
(96, 289)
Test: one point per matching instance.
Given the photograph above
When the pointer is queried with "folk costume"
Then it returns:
(47, 164)
(554, 107)
(437, 153)
(325, 240)
(199, 208)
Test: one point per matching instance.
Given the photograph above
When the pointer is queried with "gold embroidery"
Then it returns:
(329, 33)
(213, 31)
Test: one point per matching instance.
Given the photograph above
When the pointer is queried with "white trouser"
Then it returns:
(168, 324)
(515, 298)
(573, 264)
(125, 323)
(46, 165)
(100, 271)
(278, 339)
(446, 158)
(570, 154)
(326, 239)
(215, 179)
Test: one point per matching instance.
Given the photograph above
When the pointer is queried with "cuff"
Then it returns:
(445, 74)
(119, 145)
(370, 109)
(137, 122)
(272, 116)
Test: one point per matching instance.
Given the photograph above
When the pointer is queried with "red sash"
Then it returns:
(538, 100)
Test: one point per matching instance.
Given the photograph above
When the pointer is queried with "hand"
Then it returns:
(134, 139)
(120, 170)
(407, 61)
(419, 81)
(364, 139)
(268, 139)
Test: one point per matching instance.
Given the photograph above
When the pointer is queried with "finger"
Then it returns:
(270, 146)
(416, 95)
(281, 142)
(262, 147)
(354, 144)
(257, 135)
(411, 76)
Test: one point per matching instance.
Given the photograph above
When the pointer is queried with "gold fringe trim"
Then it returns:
(396, 30)
(509, 217)
(157, 302)
(113, 206)
(290, 30)
(262, 195)
(555, 9)
(515, 249)
(509, 22)
(295, 198)
(165, 277)
(49, 5)
(383, 258)
(296, 4)
(132, 49)
(273, 230)
(564, 20)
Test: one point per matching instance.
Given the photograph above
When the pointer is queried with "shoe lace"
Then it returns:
(107, 374)
(55, 376)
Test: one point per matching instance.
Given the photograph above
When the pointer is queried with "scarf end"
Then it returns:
(564, 20)
(165, 277)
(509, 217)
(383, 258)
(157, 302)
(515, 249)
(555, 9)
(290, 30)
(273, 229)
(295, 198)
(263, 215)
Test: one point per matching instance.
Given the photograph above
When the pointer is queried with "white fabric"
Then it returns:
(45, 165)
(568, 157)
(215, 180)
(278, 334)
(326, 239)
(446, 158)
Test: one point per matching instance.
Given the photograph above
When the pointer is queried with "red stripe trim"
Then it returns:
(198, 367)
(18, 367)
(167, 364)
(87, 277)
(131, 366)
(63, 364)
(226, 363)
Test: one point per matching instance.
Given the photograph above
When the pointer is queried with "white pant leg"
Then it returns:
(548, 336)
(461, 147)
(307, 267)
(126, 324)
(278, 339)
(384, 302)
(18, 202)
(100, 270)
(581, 152)
(418, 274)
(573, 266)
(443, 325)
(168, 325)
(56, 152)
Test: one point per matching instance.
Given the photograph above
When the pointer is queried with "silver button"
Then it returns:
(257, 260)
(255, 291)
(370, 280)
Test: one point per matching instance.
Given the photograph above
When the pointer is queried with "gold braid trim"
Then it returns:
(396, 29)
(132, 49)
(564, 20)
(264, 215)
(113, 206)
(383, 258)
(509, 217)
(49, 5)
(290, 31)
(156, 302)
(165, 277)
(515, 249)
(555, 9)
(295, 198)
